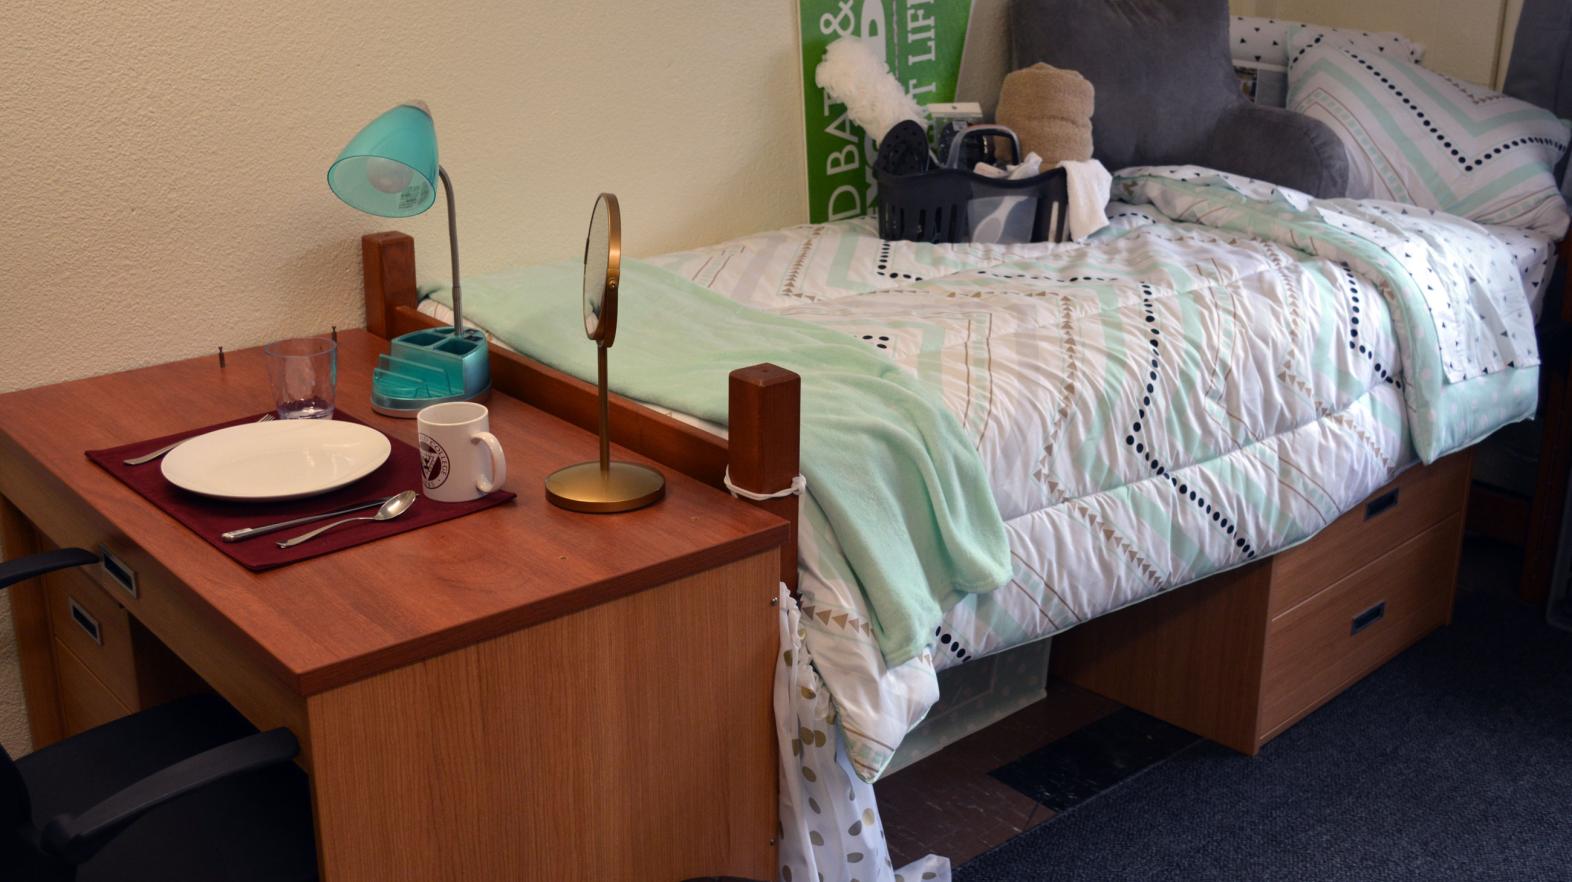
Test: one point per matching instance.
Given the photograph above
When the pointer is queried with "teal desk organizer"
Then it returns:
(430, 367)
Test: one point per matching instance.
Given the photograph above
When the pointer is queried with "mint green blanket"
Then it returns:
(889, 467)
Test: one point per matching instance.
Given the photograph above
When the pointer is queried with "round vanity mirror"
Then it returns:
(604, 485)
(602, 269)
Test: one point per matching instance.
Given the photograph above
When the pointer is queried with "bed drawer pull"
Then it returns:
(1367, 618)
(1380, 503)
(85, 621)
(116, 568)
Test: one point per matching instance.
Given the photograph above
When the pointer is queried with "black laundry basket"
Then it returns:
(935, 206)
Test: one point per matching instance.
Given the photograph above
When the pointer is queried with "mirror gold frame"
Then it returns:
(602, 247)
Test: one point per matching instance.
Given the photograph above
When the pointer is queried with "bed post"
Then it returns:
(765, 410)
(389, 263)
(1542, 535)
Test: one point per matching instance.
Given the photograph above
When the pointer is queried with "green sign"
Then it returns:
(922, 41)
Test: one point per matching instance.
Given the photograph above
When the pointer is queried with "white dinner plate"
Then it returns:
(280, 459)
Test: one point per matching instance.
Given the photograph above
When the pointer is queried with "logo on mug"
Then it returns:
(433, 463)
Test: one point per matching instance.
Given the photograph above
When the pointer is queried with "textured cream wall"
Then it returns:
(1509, 19)
(13, 713)
(165, 159)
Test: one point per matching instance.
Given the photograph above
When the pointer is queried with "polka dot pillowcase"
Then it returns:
(1265, 40)
(1419, 137)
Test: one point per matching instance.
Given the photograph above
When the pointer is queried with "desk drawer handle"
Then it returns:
(85, 621)
(123, 575)
(1381, 503)
(1367, 618)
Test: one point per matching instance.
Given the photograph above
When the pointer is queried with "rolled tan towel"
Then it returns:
(1050, 110)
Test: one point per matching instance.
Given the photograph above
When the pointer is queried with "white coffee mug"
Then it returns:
(460, 459)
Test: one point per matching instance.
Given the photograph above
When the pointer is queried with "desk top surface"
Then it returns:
(335, 619)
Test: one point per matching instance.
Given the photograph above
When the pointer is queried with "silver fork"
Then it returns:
(149, 457)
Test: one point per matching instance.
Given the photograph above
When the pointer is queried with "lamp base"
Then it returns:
(409, 408)
(624, 487)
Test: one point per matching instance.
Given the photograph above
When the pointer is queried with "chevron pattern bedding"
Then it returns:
(1213, 379)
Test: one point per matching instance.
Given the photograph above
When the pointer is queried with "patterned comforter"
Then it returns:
(1215, 378)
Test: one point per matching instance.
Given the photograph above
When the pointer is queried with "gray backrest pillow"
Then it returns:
(1167, 94)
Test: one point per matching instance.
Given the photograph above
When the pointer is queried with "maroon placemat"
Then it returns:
(209, 518)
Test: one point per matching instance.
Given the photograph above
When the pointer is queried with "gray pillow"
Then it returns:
(1167, 94)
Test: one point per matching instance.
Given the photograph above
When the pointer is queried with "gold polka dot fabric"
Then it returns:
(830, 827)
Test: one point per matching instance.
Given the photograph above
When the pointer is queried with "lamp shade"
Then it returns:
(390, 168)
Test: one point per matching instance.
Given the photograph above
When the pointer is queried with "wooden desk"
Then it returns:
(523, 693)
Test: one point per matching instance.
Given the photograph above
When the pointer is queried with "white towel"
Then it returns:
(1089, 185)
(1026, 168)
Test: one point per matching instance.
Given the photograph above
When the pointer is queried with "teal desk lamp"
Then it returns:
(390, 169)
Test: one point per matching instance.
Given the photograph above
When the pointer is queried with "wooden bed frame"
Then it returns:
(764, 404)
(1237, 657)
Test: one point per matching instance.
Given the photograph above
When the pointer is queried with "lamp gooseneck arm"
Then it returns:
(458, 297)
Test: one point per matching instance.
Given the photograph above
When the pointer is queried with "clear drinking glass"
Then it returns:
(304, 372)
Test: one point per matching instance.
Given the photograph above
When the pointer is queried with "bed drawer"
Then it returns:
(1417, 500)
(96, 630)
(1242, 655)
(1320, 647)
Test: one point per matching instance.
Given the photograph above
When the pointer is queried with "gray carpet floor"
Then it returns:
(1454, 761)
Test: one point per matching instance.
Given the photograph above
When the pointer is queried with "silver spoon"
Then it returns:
(391, 509)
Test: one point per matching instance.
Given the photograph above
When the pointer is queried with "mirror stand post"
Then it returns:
(605, 413)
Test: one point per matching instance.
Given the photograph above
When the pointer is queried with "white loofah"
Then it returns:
(857, 77)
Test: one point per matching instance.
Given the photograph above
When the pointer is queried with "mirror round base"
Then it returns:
(624, 487)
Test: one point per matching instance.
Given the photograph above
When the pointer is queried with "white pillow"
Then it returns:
(1266, 40)
(1416, 136)
(1303, 36)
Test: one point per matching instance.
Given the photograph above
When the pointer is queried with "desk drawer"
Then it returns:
(1315, 650)
(166, 626)
(85, 701)
(1417, 500)
(96, 630)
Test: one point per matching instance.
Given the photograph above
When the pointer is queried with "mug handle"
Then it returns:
(499, 464)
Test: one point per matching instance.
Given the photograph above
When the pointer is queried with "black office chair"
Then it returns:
(185, 791)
